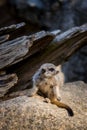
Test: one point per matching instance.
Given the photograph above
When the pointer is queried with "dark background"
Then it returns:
(50, 15)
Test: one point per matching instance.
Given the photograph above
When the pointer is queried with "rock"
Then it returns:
(31, 113)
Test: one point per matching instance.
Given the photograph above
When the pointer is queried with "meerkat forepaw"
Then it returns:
(47, 100)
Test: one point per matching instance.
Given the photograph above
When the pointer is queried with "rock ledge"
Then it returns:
(31, 113)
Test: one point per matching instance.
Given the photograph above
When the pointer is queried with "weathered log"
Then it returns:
(58, 51)
(14, 51)
(4, 38)
(11, 28)
(6, 82)
(19, 49)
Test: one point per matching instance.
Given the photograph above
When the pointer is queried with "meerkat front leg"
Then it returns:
(57, 92)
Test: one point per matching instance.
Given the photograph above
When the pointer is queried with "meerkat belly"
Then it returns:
(46, 85)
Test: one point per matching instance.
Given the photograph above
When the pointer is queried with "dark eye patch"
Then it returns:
(51, 69)
(43, 70)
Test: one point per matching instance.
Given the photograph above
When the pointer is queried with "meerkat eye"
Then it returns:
(51, 69)
(43, 70)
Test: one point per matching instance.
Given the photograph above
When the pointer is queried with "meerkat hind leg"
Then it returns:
(47, 100)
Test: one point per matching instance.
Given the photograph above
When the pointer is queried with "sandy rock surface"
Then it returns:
(31, 113)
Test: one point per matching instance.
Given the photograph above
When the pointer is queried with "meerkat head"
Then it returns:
(48, 70)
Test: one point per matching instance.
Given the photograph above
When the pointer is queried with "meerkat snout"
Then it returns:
(57, 72)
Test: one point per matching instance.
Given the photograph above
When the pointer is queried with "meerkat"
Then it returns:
(48, 79)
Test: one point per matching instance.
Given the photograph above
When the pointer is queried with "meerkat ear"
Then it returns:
(58, 67)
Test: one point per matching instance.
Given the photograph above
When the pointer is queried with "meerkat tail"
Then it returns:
(62, 105)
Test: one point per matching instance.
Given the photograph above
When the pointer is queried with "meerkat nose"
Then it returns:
(57, 72)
